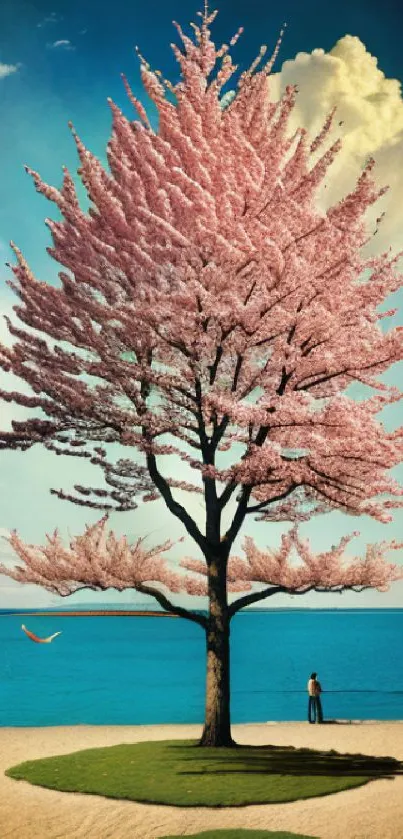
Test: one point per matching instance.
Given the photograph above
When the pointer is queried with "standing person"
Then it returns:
(314, 703)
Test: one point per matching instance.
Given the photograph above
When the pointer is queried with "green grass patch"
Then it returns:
(238, 833)
(181, 773)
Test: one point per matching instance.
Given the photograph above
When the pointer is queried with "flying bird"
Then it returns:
(34, 637)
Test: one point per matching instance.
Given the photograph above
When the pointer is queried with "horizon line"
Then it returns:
(77, 612)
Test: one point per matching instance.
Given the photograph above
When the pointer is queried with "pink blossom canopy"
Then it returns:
(99, 560)
(207, 306)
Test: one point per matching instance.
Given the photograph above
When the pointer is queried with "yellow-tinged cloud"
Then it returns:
(370, 107)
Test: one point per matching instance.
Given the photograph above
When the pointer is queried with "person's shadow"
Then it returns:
(341, 722)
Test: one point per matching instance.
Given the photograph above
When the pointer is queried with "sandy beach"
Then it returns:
(374, 811)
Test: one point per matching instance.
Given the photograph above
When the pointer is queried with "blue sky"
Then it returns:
(60, 61)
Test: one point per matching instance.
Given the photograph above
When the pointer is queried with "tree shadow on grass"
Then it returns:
(287, 760)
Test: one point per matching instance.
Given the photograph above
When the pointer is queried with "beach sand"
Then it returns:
(374, 811)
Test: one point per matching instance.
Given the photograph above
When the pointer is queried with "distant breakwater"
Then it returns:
(97, 613)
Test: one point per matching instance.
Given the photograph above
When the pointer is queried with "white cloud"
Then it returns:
(8, 69)
(370, 106)
(63, 44)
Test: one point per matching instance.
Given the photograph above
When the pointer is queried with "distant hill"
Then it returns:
(107, 607)
(93, 608)
(85, 607)
(141, 608)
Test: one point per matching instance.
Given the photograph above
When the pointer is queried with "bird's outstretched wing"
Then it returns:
(35, 638)
(51, 637)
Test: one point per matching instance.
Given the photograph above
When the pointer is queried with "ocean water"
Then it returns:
(147, 670)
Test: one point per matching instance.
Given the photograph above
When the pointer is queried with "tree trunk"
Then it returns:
(217, 724)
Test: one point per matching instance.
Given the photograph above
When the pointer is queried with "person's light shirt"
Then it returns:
(313, 687)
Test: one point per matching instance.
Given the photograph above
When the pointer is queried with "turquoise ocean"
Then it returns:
(151, 670)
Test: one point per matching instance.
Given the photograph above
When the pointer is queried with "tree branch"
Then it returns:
(158, 595)
(257, 507)
(81, 588)
(240, 512)
(168, 606)
(254, 597)
(335, 502)
(239, 516)
(175, 508)
(345, 372)
(338, 483)
(226, 494)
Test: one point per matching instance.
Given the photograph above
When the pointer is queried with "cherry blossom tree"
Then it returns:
(209, 310)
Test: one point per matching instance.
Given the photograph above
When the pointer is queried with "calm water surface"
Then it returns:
(131, 670)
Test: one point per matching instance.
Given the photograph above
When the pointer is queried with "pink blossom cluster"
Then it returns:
(99, 560)
(96, 560)
(206, 299)
(296, 568)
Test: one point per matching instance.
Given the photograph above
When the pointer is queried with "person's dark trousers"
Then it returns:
(315, 713)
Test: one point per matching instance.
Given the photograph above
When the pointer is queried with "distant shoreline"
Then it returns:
(101, 613)
(156, 613)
